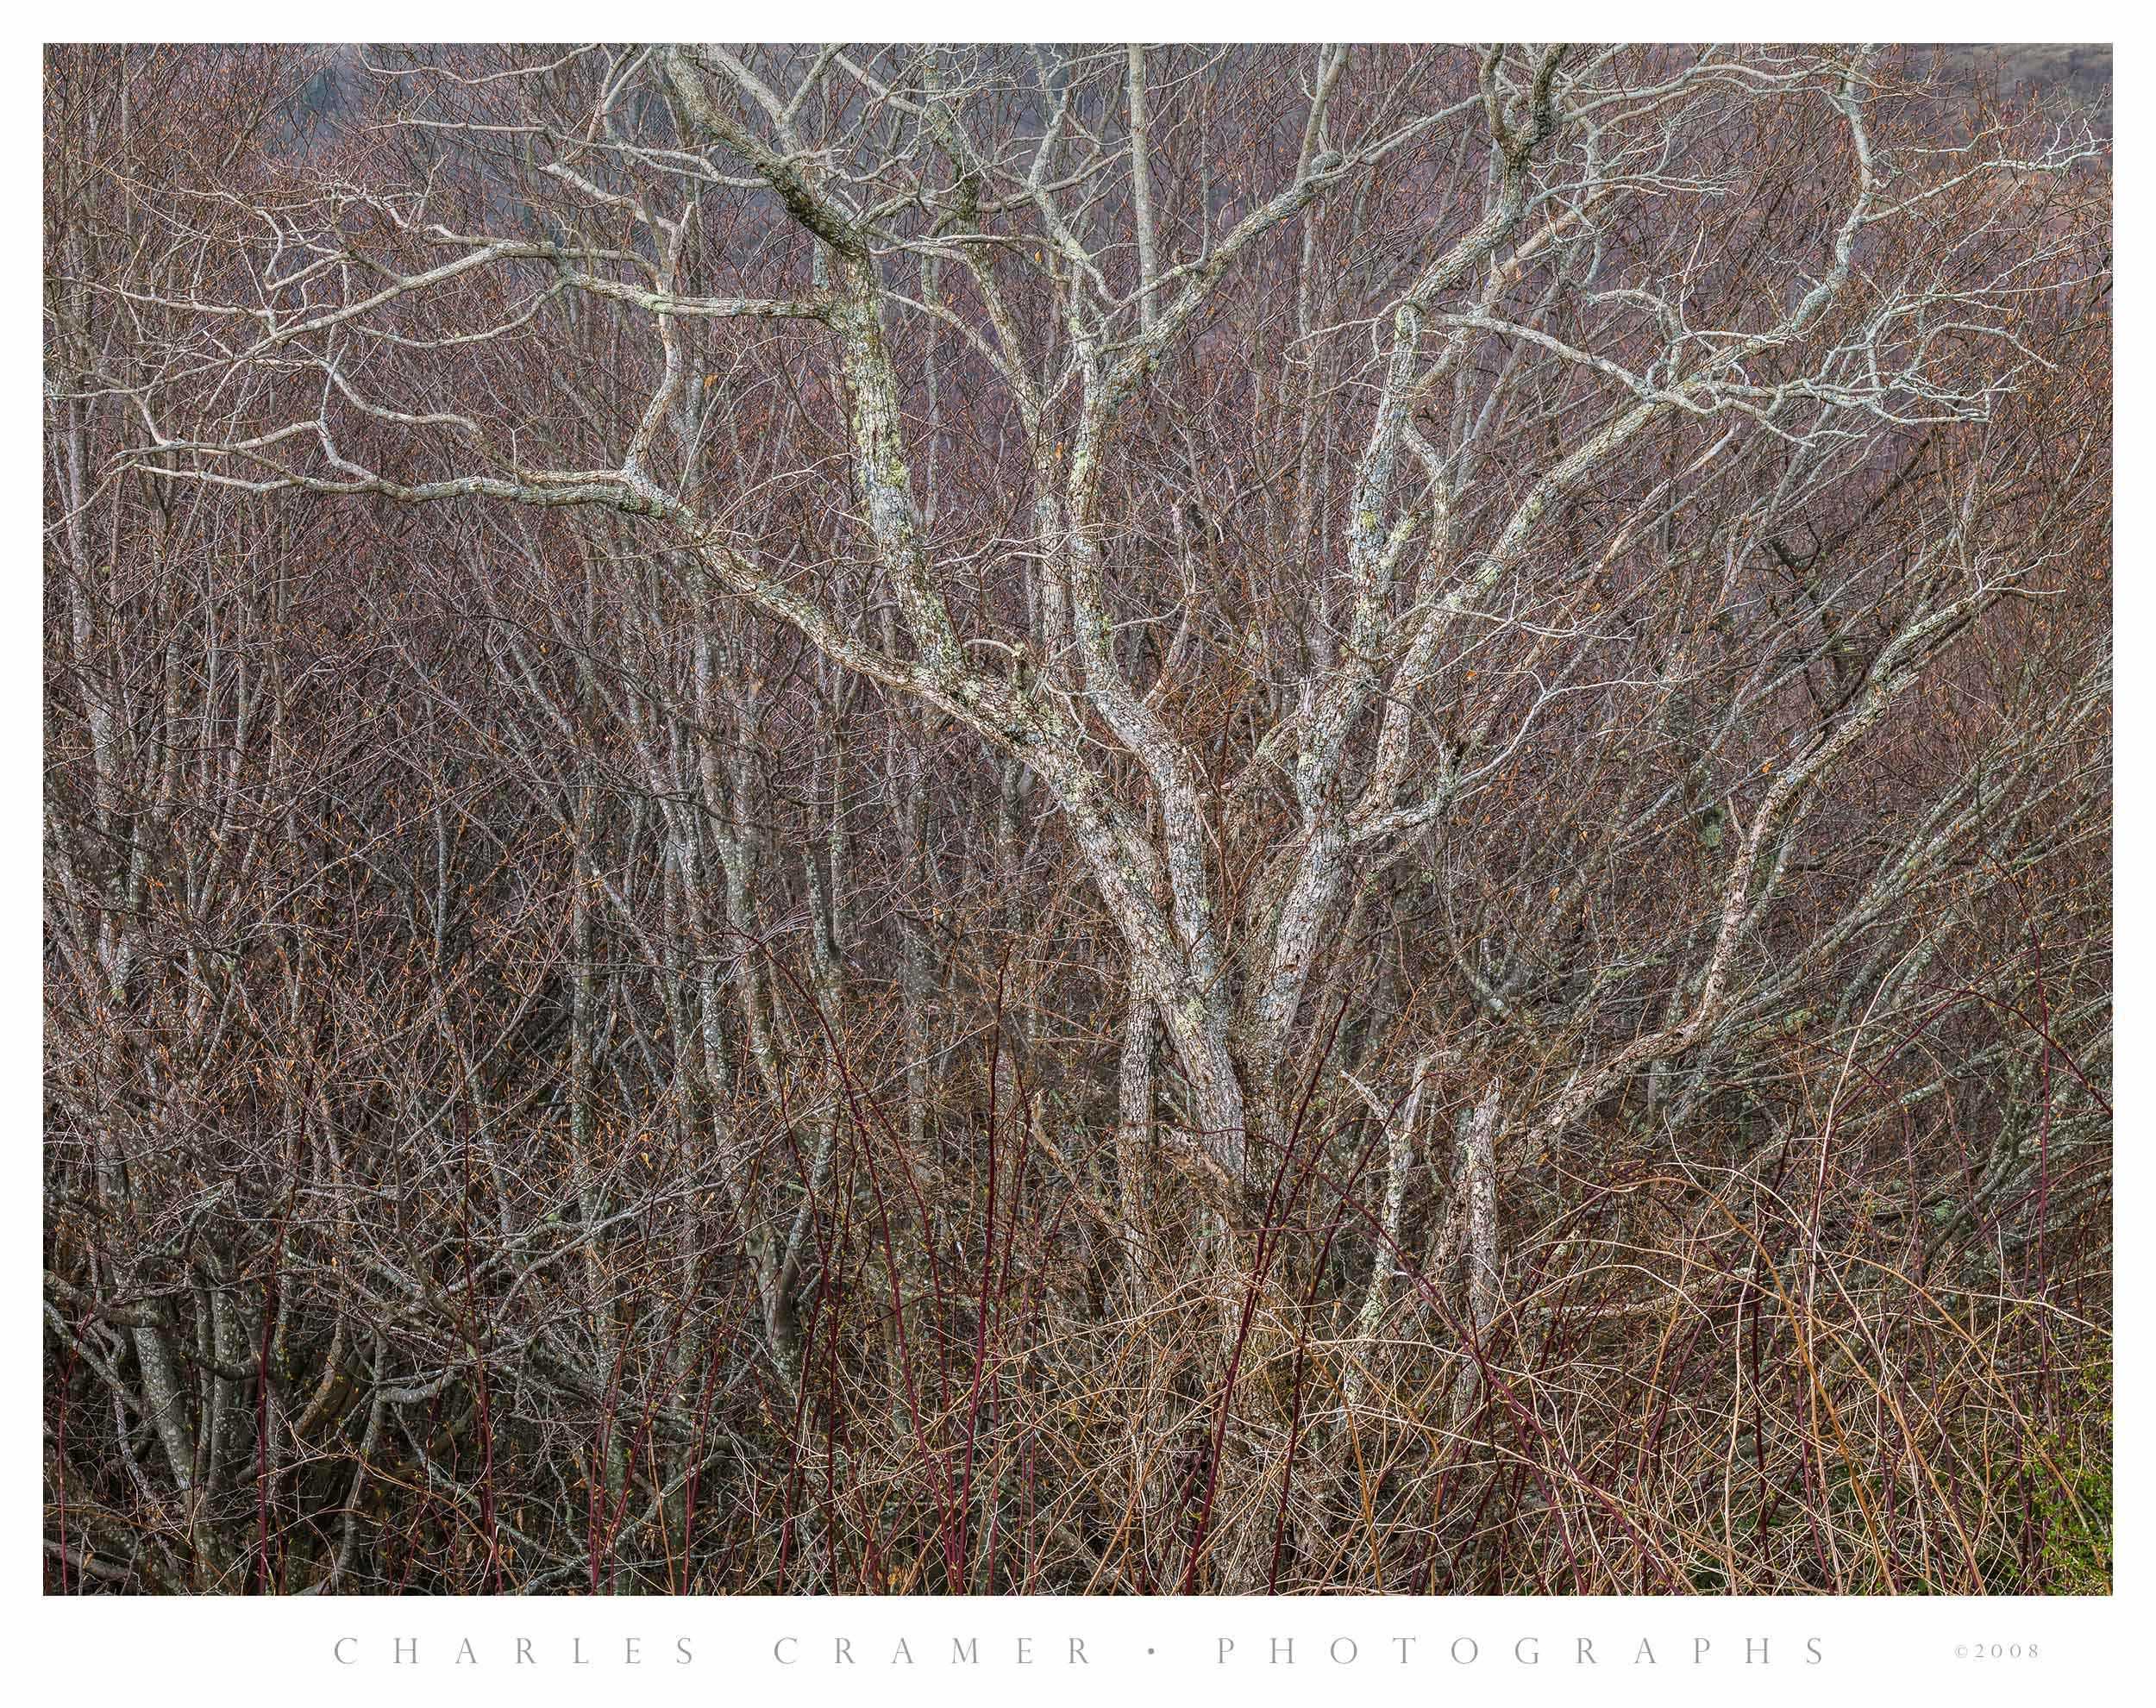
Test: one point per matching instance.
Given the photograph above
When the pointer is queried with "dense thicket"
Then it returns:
(1024, 820)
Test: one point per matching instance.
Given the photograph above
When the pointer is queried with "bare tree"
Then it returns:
(980, 687)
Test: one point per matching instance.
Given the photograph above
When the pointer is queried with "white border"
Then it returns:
(99, 1650)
